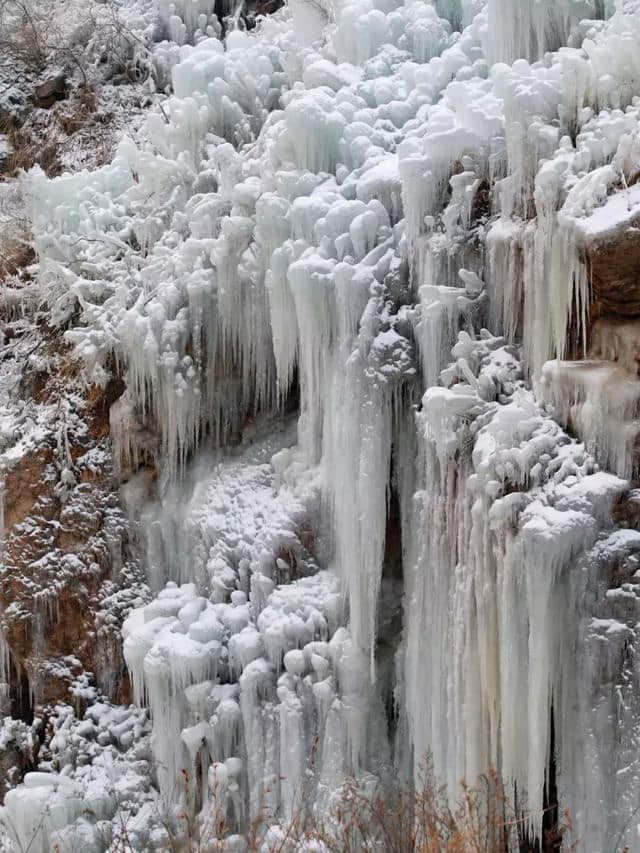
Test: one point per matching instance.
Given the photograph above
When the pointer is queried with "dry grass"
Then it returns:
(27, 151)
(483, 820)
(43, 141)
(78, 110)
(16, 250)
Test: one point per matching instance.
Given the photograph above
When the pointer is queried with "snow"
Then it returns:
(618, 212)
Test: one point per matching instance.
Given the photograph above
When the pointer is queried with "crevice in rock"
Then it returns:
(390, 605)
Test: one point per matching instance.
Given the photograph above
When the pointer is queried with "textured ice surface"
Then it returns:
(512, 538)
(327, 208)
(89, 770)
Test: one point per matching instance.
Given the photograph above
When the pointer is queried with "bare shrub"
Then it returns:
(80, 108)
(26, 151)
(32, 38)
(22, 33)
(482, 820)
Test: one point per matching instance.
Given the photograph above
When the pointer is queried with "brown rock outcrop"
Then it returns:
(50, 90)
(614, 264)
(69, 573)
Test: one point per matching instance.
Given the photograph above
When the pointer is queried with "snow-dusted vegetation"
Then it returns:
(344, 322)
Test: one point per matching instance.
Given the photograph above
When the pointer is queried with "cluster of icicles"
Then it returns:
(343, 205)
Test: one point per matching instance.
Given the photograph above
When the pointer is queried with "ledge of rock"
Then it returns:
(612, 246)
(69, 572)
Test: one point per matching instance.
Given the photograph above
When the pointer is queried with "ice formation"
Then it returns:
(327, 209)
(56, 809)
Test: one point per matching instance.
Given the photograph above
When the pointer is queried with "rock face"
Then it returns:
(614, 261)
(68, 566)
(595, 391)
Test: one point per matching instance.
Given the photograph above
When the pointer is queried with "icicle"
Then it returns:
(505, 278)
(311, 282)
(284, 322)
(3, 531)
(600, 401)
(532, 28)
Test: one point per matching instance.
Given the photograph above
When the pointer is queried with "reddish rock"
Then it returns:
(69, 573)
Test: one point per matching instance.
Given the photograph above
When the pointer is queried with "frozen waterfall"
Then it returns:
(359, 278)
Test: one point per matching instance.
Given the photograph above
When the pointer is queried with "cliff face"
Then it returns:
(613, 263)
(69, 568)
(321, 440)
(69, 565)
